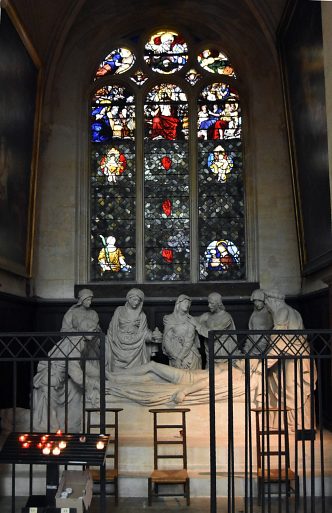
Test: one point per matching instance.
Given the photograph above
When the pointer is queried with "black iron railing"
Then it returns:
(55, 377)
(285, 377)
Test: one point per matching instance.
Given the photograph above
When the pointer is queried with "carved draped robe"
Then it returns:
(127, 340)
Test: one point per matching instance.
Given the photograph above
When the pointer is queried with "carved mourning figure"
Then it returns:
(287, 318)
(216, 319)
(129, 341)
(80, 310)
(61, 379)
(180, 340)
(260, 319)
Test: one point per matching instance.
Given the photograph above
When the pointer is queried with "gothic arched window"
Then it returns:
(167, 198)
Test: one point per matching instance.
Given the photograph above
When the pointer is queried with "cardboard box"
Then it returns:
(81, 483)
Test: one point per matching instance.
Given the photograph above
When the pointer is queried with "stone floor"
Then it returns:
(198, 505)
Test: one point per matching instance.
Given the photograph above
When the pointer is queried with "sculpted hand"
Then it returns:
(178, 397)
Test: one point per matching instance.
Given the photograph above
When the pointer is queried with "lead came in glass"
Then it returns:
(113, 202)
(215, 116)
(166, 185)
(220, 184)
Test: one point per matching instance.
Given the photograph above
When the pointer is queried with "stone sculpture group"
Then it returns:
(130, 345)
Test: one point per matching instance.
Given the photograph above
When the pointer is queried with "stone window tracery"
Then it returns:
(166, 178)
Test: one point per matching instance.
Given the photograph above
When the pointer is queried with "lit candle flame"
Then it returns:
(56, 451)
(46, 450)
(100, 445)
(62, 444)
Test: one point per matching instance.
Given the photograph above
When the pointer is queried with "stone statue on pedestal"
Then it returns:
(129, 341)
(180, 341)
(217, 319)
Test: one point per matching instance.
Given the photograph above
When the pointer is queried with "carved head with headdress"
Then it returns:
(181, 299)
(274, 299)
(82, 295)
(135, 298)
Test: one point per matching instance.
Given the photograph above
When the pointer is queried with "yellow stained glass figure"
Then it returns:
(220, 163)
(110, 257)
(113, 164)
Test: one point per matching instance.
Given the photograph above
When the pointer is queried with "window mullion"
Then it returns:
(192, 162)
(140, 256)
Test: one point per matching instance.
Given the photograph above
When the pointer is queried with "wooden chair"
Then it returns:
(111, 472)
(173, 476)
(273, 462)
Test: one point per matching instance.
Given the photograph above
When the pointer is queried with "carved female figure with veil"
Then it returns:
(80, 310)
(129, 340)
(180, 341)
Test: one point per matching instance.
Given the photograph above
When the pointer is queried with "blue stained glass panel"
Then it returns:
(113, 188)
(118, 61)
(112, 114)
(221, 224)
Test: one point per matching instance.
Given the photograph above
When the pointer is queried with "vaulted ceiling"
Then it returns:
(49, 22)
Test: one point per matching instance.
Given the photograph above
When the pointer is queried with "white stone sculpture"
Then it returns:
(80, 310)
(180, 340)
(155, 384)
(61, 379)
(129, 341)
(217, 319)
(287, 318)
(260, 319)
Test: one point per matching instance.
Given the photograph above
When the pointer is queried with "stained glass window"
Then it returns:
(166, 162)
(214, 61)
(139, 77)
(193, 77)
(118, 61)
(220, 191)
(113, 220)
(167, 218)
(166, 52)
